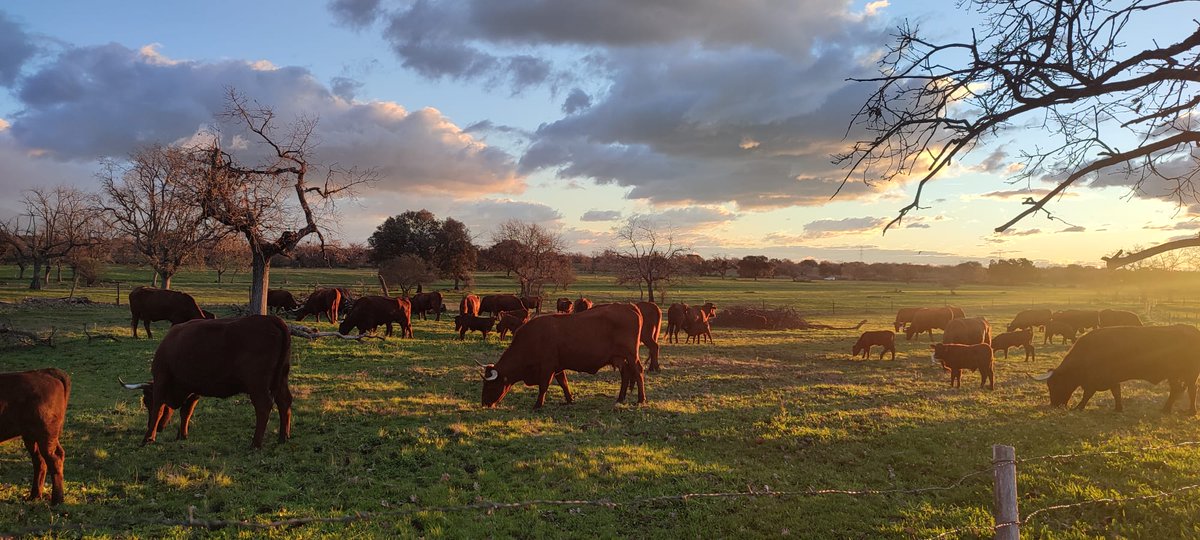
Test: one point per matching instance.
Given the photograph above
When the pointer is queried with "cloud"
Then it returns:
(917, 226)
(16, 48)
(600, 215)
(829, 227)
(355, 13)
(693, 216)
(494, 211)
(662, 101)
(1074, 228)
(94, 102)
(1021, 194)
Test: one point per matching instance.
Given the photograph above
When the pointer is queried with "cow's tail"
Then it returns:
(284, 363)
(62, 378)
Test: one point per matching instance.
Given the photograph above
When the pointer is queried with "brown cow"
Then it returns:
(469, 305)
(1104, 358)
(348, 299)
(957, 311)
(675, 319)
(370, 312)
(926, 319)
(549, 345)
(321, 301)
(464, 323)
(582, 304)
(904, 316)
(279, 299)
(1020, 338)
(532, 302)
(967, 331)
(696, 325)
(955, 358)
(423, 302)
(564, 305)
(511, 321)
(220, 358)
(1059, 328)
(148, 304)
(1116, 317)
(33, 406)
(1079, 319)
(495, 303)
(1030, 318)
(883, 338)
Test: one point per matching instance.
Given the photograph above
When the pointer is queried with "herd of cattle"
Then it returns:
(205, 356)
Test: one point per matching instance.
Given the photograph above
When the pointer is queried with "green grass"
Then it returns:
(384, 426)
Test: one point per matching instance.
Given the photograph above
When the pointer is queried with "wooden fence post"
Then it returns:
(1004, 511)
(118, 293)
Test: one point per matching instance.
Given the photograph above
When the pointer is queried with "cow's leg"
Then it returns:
(891, 348)
(56, 469)
(133, 326)
(1087, 395)
(146, 323)
(283, 402)
(185, 416)
(388, 333)
(51, 453)
(155, 411)
(543, 387)
(988, 376)
(1176, 388)
(166, 419)
(1116, 393)
(561, 377)
(654, 347)
(262, 413)
(39, 469)
(640, 378)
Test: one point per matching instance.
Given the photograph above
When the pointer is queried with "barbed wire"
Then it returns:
(489, 507)
(1063, 457)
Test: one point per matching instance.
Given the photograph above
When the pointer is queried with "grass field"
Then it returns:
(396, 426)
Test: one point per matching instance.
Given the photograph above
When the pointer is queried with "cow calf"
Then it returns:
(882, 338)
(1020, 338)
(471, 323)
(33, 406)
(955, 358)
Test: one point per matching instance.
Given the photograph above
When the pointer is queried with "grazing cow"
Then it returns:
(470, 323)
(564, 305)
(957, 311)
(423, 302)
(1079, 319)
(279, 299)
(221, 358)
(926, 319)
(548, 346)
(370, 312)
(967, 331)
(321, 301)
(495, 303)
(1030, 318)
(148, 304)
(33, 406)
(582, 304)
(955, 358)
(532, 302)
(696, 325)
(675, 319)
(1059, 328)
(511, 321)
(348, 299)
(883, 338)
(904, 316)
(1019, 338)
(1104, 358)
(709, 309)
(1116, 317)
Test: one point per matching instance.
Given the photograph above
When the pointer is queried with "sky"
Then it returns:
(716, 118)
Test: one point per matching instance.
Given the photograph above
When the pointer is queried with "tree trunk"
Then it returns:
(36, 282)
(650, 290)
(165, 277)
(383, 285)
(58, 272)
(456, 283)
(21, 265)
(154, 279)
(260, 277)
(219, 273)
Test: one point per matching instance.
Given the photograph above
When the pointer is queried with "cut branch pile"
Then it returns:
(92, 337)
(53, 302)
(11, 337)
(312, 333)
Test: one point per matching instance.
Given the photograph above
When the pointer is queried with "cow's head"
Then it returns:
(908, 332)
(1060, 388)
(146, 388)
(857, 350)
(933, 354)
(495, 386)
(345, 327)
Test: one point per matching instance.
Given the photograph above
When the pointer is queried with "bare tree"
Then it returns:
(225, 254)
(1062, 68)
(407, 271)
(271, 204)
(148, 199)
(531, 253)
(649, 252)
(55, 223)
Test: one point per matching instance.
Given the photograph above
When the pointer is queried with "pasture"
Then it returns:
(396, 427)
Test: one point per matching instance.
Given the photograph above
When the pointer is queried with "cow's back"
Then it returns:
(585, 341)
(967, 331)
(33, 402)
(163, 304)
(1117, 317)
(1109, 355)
(220, 357)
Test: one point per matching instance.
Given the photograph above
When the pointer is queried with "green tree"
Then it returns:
(455, 254)
(755, 266)
(414, 232)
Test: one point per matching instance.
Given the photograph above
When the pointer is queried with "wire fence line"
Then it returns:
(751, 492)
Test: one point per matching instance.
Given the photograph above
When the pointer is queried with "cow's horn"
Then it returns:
(491, 374)
(136, 386)
(1043, 376)
(481, 364)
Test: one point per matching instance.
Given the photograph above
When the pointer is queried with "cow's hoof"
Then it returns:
(55, 501)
